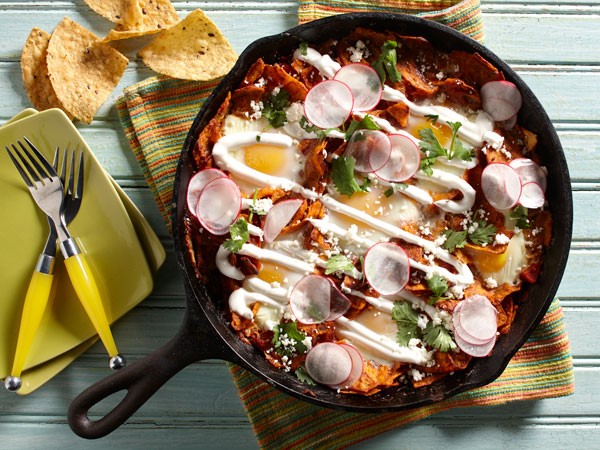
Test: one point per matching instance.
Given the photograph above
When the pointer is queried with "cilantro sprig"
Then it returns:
(479, 233)
(239, 236)
(520, 215)
(430, 145)
(338, 263)
(407, 318)
(274, 108)
(288, 340)
(438, 286)
(385, 66)
(342, 175)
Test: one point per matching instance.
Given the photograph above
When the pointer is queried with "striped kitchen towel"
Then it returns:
(156, 115)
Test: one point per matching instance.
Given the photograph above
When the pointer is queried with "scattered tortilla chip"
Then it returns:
(35, 72)
(155, 16)
(82, 70)
(125, 12)
(194, 49)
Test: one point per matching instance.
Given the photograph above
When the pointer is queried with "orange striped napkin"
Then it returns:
(156, 115)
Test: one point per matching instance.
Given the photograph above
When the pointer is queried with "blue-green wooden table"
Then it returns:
(555, 47)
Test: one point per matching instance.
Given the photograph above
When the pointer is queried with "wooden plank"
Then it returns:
(508, 34)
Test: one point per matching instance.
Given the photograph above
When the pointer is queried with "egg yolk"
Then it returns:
(271, 273)
(268, 159)
(489, 262)
(374, 203)
(442, 132)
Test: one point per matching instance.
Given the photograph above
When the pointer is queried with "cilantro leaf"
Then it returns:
(338, 263)
(274, 108)
(520, 214)
(239, 236)
(457, 149)
(438, 285)
(454, 240)
(433, 118)
(303, 48)
(304, 377)
(438, 337)
(310, 128)
(342, 175)
(287, 340)
(406, 319)
(386, 63)
(484, 233)
(366, 123)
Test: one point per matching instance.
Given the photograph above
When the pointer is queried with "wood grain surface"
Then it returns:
(553, 45)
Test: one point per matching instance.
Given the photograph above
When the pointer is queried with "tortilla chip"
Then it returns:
(35, 72)
(83, 71)
(125, 12)
(155, 16)
(194, 49)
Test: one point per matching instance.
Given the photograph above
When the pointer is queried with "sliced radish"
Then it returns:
(219, 205)
(459, 330)
(386, 268)
(315, 299)
(510, 123)
(529, 171)
(501, 185)
(478, 351)
(357, 367)
(328, 104)
(197, 183)
(279, 216)
(477, 317)
(364, 83)
(328, 363)
(532, 196)
(338, 303)
(501, 99)
(403, 162)
(371, 149)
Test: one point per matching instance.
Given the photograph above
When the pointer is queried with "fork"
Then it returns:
(40, 287)
(46, 188)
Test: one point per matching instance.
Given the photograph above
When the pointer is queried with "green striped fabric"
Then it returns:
(156, 115)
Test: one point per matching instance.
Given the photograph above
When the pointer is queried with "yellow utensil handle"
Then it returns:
(87, 290)
(34, 306)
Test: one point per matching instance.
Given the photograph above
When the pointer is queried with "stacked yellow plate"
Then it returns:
(123, 250)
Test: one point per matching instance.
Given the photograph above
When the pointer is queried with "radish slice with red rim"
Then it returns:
(328, 104)
(501, 99)
(328, 363)
(459, 330)
(279, 216)
(477, 317)
(219, 205)
(501, 185)
(478, 351)
(357, 367)
(197, 183)
(386, 268)
(404, 160)
(529, 171)
(338, 303)
(532, 196)
(315, 299)
(370, 149)
(364, 83)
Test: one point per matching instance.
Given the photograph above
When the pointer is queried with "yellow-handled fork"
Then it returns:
(47, 190)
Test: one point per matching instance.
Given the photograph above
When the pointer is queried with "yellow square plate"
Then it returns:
(103, 227)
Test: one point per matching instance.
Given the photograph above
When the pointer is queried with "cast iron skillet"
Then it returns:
(205, 334)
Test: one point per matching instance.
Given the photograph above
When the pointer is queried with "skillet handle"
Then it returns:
(141, 380)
